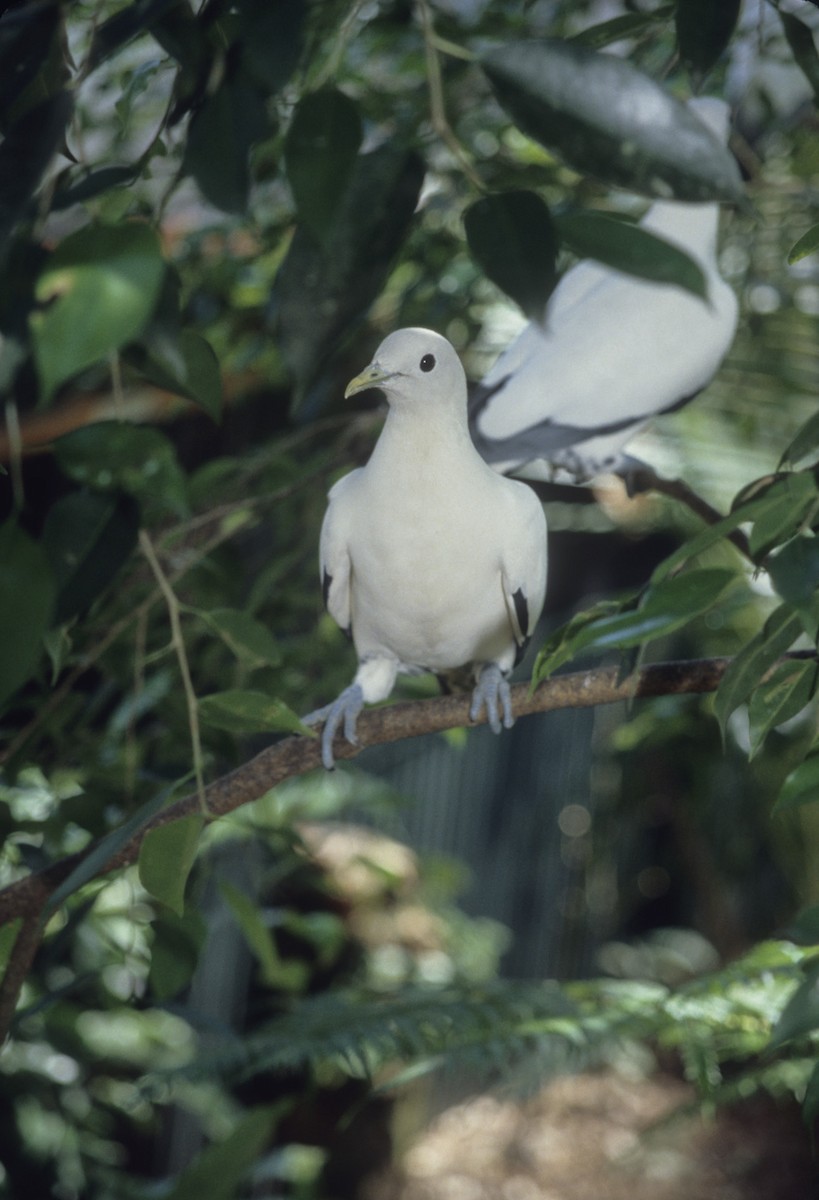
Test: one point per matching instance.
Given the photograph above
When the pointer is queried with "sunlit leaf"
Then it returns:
(512, 238)
(319, 152)
(26, 606)
(608, 119)
(97, 292)
(630, 248)
(238, 711)
(166, 856)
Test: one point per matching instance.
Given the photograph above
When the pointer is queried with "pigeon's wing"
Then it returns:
(334, 551)
(524, 562)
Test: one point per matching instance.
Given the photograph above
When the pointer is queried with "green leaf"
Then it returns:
(251, 642)
(781, 696)
(800, 1015)
(87, 538)
(131, 20)
(807, 244)
(512, 238)
(704, 29)
(558, 647)
(803, 48)
(629, 248)
(95, 860)
(318, 294)
(663, 608)
(782, 510)
(319, 153)
(25, 153)
(219, 1170)
(801, 786)
(705, 539)
(166, 856)
(745, 673)
(276, 972)
(804, 929)
(805, 442)
(116, 455)
(238, 711)
(175, 947)
(608, 119)
(26, 606)
(794, 572)
(221, 135)
(272, 39)
(183, 362)
(97, 292)
(629, 25)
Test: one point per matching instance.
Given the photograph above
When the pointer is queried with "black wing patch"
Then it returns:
(326, 584)
(522, 614)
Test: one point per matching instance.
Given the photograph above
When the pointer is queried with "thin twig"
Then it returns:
(437, 107)
(18, 967)
(178, 645)
(645, 479)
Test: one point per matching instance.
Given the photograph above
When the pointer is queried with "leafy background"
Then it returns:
(209, 215)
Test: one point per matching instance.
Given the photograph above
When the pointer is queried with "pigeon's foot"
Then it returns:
(493, 691)
(343, 711)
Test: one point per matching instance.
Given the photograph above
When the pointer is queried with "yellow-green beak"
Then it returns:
(371, 376)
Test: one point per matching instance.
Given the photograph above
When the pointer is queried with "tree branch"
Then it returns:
(292, 756)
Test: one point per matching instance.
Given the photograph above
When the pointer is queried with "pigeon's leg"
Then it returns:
(373, 682)
(492, 690)
(344, 710)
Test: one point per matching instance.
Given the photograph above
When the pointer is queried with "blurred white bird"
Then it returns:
(611, 352)
(429, 559)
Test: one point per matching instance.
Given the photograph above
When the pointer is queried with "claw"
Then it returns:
(344, 710)
(492, 690)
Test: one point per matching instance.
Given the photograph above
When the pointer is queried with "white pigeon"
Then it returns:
(611, 352)
(429, 559)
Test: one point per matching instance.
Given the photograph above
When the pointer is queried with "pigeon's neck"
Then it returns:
(423, 441)
(691, 227)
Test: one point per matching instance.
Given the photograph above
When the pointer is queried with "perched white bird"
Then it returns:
(429, 559)
(611, 352)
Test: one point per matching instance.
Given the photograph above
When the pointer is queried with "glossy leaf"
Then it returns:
(241, 711)
(748, 668)
(251, 642)
(220, 1169)
(807, 244)
(26, 606)
(87, 538)
(512, 238)
(183, 362)
(97, 292)
(801, 786)
(319, 293)
(794, 572)
(631, 249)
(663, 608)
(704, 29)
(166, 856)
(608, 119)
(115, 455)
(782, 510)
(319, 153)
(783, 694)
(221, 135)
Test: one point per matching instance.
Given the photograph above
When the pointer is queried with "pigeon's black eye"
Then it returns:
(427, 362)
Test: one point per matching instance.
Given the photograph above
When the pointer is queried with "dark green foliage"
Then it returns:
(704, 30)
(512, 238)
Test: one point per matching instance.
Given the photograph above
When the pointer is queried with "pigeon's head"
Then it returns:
(413, 366)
